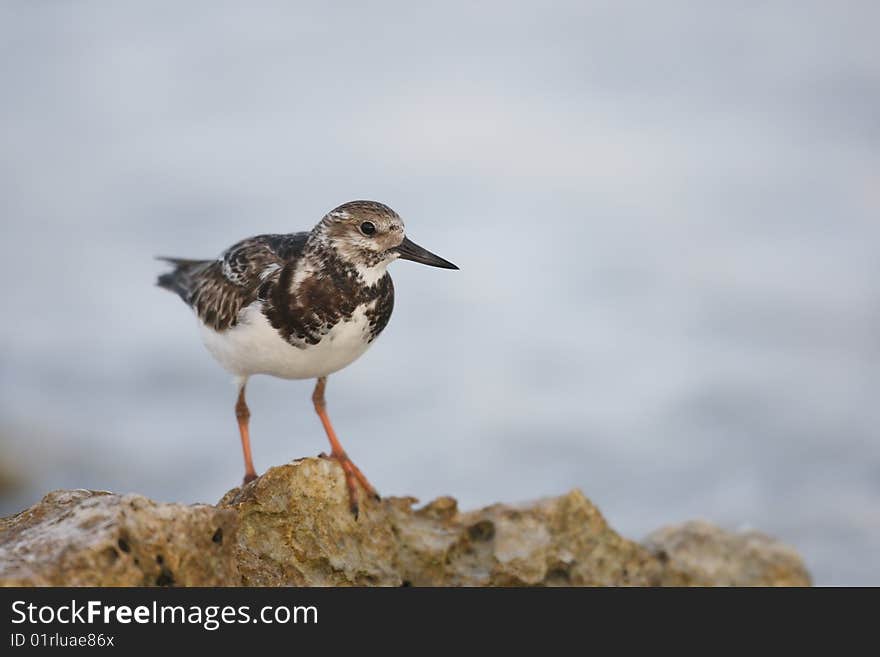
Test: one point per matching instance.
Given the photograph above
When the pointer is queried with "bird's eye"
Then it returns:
(368, 228)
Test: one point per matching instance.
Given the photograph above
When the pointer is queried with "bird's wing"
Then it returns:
(219, 289)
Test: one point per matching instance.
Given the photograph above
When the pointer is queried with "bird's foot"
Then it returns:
(248, 478)
(353, 477)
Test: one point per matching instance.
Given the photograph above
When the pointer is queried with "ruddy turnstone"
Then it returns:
(300, 306)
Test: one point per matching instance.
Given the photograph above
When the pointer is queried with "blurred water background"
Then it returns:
(667, 217)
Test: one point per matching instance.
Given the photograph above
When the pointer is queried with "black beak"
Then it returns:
(409, 250)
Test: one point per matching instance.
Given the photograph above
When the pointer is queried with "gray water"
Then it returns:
(666, 216)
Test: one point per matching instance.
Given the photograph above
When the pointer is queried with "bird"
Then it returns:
(300, 306)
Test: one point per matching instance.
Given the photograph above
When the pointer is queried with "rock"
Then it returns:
(562, 541)
(292, 527)
(89, 538)
(721, 558)
(295, 529)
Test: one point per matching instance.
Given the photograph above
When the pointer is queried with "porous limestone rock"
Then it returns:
(293, 527)
(724, 558)
(91, 538)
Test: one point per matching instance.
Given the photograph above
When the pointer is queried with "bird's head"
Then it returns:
(369, 235)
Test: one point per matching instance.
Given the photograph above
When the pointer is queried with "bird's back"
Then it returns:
(219, 289)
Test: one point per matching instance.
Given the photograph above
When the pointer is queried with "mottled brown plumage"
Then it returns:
(304, 313)
(219, 289)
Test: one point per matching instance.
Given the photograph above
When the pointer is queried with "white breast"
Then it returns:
(253, 346)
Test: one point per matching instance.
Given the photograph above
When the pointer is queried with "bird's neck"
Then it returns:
(370, 276)
(369, 268)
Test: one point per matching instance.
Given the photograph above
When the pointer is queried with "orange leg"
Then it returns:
(353, 475)
(243, 415)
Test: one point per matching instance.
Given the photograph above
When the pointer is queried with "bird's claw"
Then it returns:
(353, 477)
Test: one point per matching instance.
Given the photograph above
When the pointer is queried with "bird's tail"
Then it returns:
(179, 280)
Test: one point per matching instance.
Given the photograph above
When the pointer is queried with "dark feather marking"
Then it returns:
(279, 309)
(381, 313)
(321, 300)
(220, 289)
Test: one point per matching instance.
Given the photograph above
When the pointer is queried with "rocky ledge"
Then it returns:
(292, 527)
